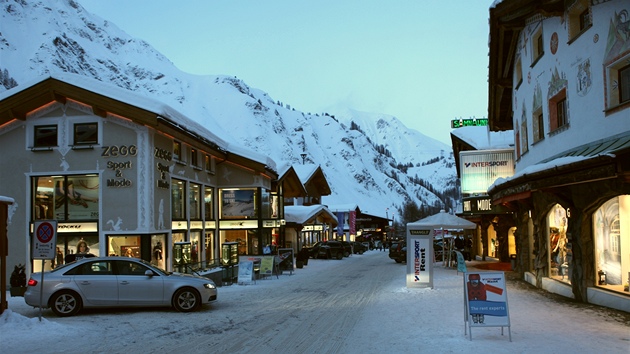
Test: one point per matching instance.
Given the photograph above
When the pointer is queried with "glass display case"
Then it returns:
(229, 253)
(181, 256)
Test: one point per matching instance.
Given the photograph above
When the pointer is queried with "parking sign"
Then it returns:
(45, 239)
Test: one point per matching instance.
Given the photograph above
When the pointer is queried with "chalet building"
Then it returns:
(307, 220)
(121, 174)
(559, 78)
(355, 225)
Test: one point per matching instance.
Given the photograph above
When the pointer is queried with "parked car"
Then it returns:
(358, 247)
(116, 282)
(395, 251)
(347, 248)
(402, 256)
(327, 249)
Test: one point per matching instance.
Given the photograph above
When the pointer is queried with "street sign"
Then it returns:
(45, 239)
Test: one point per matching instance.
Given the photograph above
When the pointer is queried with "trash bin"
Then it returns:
(513, 261)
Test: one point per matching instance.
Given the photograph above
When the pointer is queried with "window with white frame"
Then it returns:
(618, 83)
(86, 133)
(45, 136)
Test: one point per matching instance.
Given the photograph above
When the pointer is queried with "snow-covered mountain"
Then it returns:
(371, 160)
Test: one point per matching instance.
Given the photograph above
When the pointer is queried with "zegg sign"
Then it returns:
(44, 239)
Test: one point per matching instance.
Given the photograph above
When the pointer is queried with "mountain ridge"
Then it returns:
(371, 160)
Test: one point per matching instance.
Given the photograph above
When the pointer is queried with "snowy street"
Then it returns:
(356, 305)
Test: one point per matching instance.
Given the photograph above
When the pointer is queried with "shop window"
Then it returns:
(194, 201)
(177, 150)
(618, 83)
(71, 248)
(208, 206)
(537, 46)
(579, 15)
(178, 200)
(86, 134)
(126, 246)
(612, 269)
(158, 252)
(237, 203)
(45, 136)
(560, 245)
(558, 111)
(66, 198)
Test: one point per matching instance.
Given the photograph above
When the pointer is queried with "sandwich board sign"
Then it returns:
(485, 301)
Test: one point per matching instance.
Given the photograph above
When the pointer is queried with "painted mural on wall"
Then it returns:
(583, 82)
(618, 41)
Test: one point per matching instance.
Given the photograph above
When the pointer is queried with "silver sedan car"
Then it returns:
(116, 282)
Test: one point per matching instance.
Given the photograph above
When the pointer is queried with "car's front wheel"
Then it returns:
(186, 300)
(66, 303)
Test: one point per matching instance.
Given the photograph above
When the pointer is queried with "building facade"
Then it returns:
(121, 174)
(559, 77)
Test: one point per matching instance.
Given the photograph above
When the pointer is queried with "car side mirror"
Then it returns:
(148, 273)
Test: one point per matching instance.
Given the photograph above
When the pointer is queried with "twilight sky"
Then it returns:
(423, 61)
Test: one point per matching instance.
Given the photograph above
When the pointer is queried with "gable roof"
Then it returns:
(300, 214)
(313, 179)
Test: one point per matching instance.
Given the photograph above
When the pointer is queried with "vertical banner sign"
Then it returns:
(352, 220)
(486, 300)
(44, 239)
(339, 223)
(419, 258)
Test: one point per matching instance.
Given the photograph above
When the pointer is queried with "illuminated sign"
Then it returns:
(470, 122)
(481, 168)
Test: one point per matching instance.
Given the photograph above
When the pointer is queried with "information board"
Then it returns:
(245, 272)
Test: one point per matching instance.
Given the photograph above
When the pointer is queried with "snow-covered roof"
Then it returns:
(6, 200)
(300, 214)
(305, 171)
(481, 138)
(343, 207)
(137, 100)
